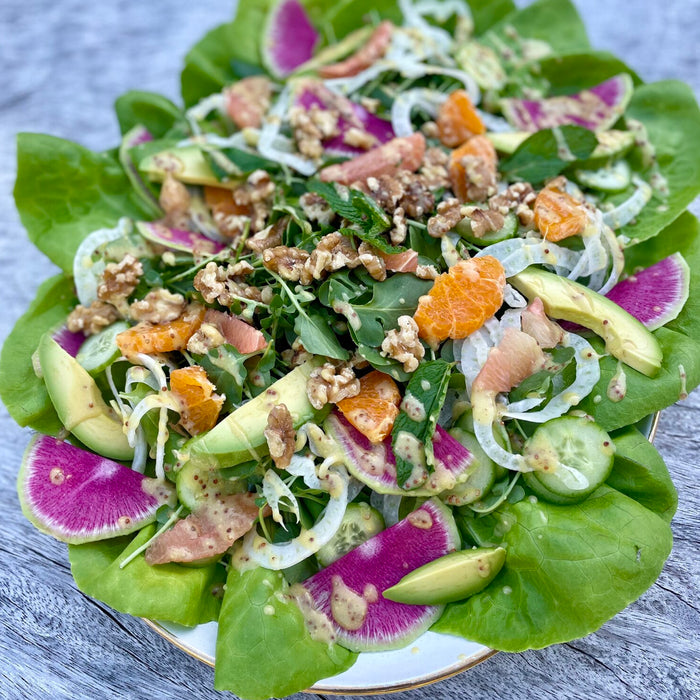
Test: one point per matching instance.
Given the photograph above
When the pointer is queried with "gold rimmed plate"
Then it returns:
(431, 658)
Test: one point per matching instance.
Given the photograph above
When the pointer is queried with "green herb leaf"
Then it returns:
(242, 161)
(549, 152)
(224, 366)
(422, 402)
(317, 336)
(157, 113)
(486, 13)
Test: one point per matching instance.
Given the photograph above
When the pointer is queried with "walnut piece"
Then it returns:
(311, 127)
(426, 272)
(224, 285)
(287, 262)
(316, 208)
(331, 383)
(269, 237)
(359, 138)
(398, 233)
(435, 169)
(481, 178)
(297, 354)
(483, 221)
(373, 263)
(405, 189)
(280, 435)
(175, 201)
(92, 319)
(118, 281)
(518, 197)
(403, 344)
(206, 338)
(158, 306)
(449, 214)
(333, 252)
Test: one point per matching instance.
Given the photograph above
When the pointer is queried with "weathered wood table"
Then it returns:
(62, 64)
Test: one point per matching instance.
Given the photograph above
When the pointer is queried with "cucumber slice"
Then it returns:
(508, 230)
(571, 456)
(195, 485)
(99, 351)
(360, 523)
(481, 476)
(615, 177)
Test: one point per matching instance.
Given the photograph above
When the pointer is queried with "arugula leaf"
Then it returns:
(224, 366)
(64, 191)
(569, 569)
(211, 63)
(22, 392)
(486, 13)
(317, 336)
(383, 364)
(679, 339)
(397, 296)
(544, 154)
(671, 115)
(157, 113)
(183, 594)
(342, 285)
(640, 473)
(425, 395)
(259, 654)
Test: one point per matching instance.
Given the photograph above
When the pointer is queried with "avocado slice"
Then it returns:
(79, 403)
(186, 164)
(453, 577)
(240, 436)
(625, 337)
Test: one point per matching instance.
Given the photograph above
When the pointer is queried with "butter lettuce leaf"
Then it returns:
(157, 113)
(263, 647)
(486, 13)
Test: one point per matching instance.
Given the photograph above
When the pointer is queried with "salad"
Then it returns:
(360, 341)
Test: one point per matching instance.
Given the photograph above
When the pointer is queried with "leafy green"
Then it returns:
(568, 570)
(670, 113)
(486, 13)
(263, 647)
(679, 339)
(425, 395)
(317, 336)
(640, 473)
(211, 63)
(185, 595)
(337, 19)
(224, 366)
(157, 113)
(22, 392)
(540, 156)
(242, 160)
(397, 296)
(64, 192)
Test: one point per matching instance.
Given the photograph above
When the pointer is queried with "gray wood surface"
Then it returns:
(62, 64)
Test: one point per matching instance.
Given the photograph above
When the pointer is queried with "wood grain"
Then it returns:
(62, 66)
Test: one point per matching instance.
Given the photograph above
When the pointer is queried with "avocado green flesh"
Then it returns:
(625, 337)
(453, 577)
(240, 436)
(186, 164)
(79, 403)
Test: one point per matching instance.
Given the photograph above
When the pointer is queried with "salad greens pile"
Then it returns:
(245, 282)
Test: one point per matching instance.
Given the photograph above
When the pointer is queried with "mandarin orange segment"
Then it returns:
(149, 339)
(558, 215)
(461, 300)
(458, 120)
(476, 147)
(375, 408)
(200, 406)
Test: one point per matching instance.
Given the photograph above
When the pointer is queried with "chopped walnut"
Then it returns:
(158, 306)
(269, 237)
(92, 319)
(118, 281)
(398, 233)
(254, 200)
(435, 169)
(218, 283)
(449, 214)
(288, 263)
(430, 130)
(331, 383)
(206, 338)
(316, 208)
(240, 269)
(372, 262)
(403, 344)
(312, 127)
(333, 252)
(481, 178)
(417, 200)
(483, 221)
(175, 201)
(426, 272)
(359, 138)
(518, 197)
(386, 191)
(297, 354)
(248, 100)
(280, 435)
(371, 104)
(231, 226)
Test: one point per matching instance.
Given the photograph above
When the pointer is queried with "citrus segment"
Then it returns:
(200, 406)
(557, 214)
(461, 300)
(477, 148)
(375, 408)
(458, 120)
(149, 339)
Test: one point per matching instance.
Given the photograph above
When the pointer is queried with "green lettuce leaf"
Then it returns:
(157, 113)
(63, 192)
(568, 570)
(22, 392)
(486, 13)
(639, 472)
(580, 71)
(187, 595)
(679, 339)
(671, 115)
(338, 19)
(263, 647)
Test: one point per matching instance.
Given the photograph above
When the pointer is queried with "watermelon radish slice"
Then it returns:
(349, 591)
(77, 496)
(374, 463)
(69, 341)
(657, 294)
(596, 109)
(177, 239)
(381, 129)
(289, 38)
